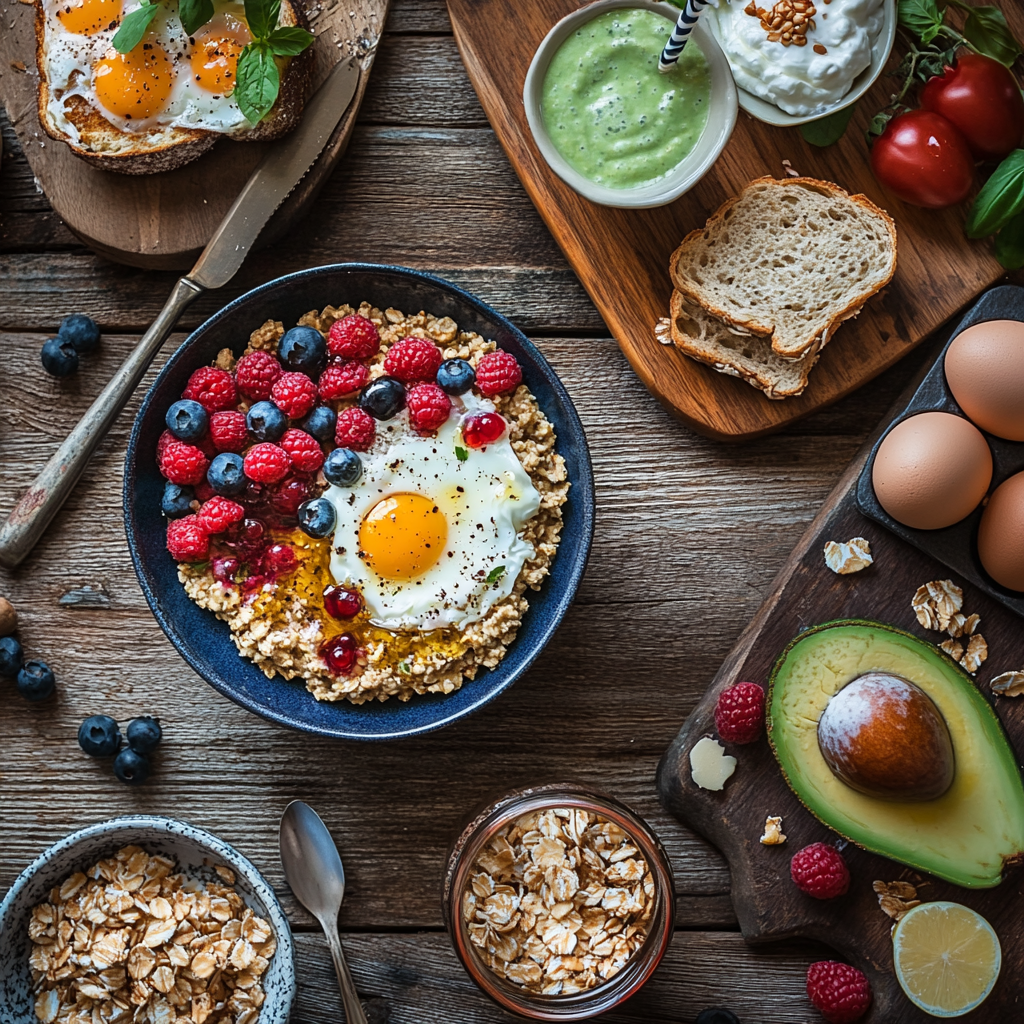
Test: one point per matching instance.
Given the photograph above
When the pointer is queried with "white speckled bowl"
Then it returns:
(193, 849)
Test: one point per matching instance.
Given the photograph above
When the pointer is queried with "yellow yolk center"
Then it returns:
(87, 17)
(215, 58)
(134, 85)
(402, 536)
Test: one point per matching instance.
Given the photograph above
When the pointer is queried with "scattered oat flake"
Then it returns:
(663, 330)
(1009, 684)
(789, 169)
(953, 648)
(18, 65)
(773, 835)
(936, 603)
(849, 556)
(976, 653)
(710, 766)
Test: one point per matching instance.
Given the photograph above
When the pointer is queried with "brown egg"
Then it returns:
(1001, 534)
(884, 736)
(985, 371)
(932, 470)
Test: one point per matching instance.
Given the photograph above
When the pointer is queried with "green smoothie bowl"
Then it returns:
(608, 123)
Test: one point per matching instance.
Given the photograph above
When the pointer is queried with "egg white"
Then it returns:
(486, 499)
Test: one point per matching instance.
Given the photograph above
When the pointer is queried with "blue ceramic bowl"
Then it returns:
(205, 642)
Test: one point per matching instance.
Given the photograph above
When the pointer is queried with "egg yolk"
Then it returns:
(402, 536)
(134, 85)
(215, 58)
(87, 17)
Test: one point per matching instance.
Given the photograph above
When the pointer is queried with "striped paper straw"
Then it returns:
(684, 26)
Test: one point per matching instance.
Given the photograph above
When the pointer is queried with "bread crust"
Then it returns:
(818, 338)
(103, 145)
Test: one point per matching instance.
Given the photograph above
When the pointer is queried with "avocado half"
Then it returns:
(969, 834)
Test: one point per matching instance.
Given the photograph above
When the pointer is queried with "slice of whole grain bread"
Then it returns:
(789, 259)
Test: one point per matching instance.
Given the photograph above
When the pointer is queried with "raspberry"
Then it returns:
(428, 407)
(305, 452)
(498, 372)
(355, 429)
(353, 337)
(228, 431)
(204, 492)
(161, 445)
(820, 871)
(840, 992)
(342, 381)
(217, 514)
(266, 463)
(739, 713)
(187, 539)
(294, 394)
(183, 463)
(413, 359)
(482, 429)
(256, 374)
(212, 388)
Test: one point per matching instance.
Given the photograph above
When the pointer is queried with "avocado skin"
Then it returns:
(965, 710)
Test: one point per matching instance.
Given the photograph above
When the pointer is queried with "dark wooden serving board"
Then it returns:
(621, 256)
(163, 221)
(767, 904)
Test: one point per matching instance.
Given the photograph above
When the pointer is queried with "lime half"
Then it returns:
(947, 958)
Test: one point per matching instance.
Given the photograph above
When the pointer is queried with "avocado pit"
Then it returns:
(884, 736)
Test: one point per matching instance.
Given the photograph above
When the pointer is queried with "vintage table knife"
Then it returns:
(277, 174)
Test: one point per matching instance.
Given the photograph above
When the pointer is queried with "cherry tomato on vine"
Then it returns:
(923, 159)
(980, 97)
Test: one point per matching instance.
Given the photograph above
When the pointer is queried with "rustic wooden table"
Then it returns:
(689, 536)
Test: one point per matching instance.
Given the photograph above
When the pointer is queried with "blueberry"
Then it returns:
(383, 398)
(144, 734)
(716, 1015)
(317, 517)
(187, 420)
(177, 500)
(303, 349)
(11, 657)
(83, 332)
(226, 475)
(266, 422)
(131, 767)
(59, 357)
(455, 376)
(99, 736)
(343, 467)
(320, 423)
(35, 680)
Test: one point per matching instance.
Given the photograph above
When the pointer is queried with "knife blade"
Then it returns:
(284, 166)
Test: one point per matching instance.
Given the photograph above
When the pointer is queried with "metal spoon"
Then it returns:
(314, 870)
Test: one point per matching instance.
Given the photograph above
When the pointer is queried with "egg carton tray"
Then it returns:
(957, 545)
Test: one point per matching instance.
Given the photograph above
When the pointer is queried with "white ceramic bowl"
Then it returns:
(194, 850)
(771, 114)
(686, 174)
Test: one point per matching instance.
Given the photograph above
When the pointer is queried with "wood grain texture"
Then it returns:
(622, 256)
(163, 221)
(768, 906)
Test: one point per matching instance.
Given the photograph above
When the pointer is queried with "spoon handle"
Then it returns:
(349, 997)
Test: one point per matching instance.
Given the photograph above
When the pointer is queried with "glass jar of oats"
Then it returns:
(559, 901)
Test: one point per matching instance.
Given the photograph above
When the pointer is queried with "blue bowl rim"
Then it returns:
(584, 497)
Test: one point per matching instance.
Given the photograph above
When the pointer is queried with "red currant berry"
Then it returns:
(251, 583)
(279, 560)
(482, 429)
(340, 653)
(342, 603)
(289, 496)
(225, 569)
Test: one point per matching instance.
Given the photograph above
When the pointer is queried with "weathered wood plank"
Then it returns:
(418, 16)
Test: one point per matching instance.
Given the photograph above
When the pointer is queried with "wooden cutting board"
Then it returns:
(163, 221)
(621, 256)
(768, 905)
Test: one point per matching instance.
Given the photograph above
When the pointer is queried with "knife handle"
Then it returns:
(41, 502)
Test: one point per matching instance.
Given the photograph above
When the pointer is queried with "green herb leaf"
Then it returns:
(262, 17)
(194, 14)
(921, 17)
(461, 454)
(133, 28)
(495, 574)
(1001, 198)
(877, 125)
(986, 30)
(828, 130)
(289, 40)
(404, 668)
(257, 82)
(1009, 246)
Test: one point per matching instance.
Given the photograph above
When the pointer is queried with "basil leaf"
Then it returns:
(828, 130)
(257, 82)
(986, 30)
(133, 28)
(1000, 198)
(461, 454)
(262, 17)
(1009, 246)
(289, 40)
(921, 17)
(194, 14)
(495, 574)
